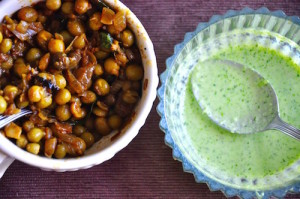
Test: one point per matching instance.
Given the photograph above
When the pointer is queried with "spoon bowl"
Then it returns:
(255, 110)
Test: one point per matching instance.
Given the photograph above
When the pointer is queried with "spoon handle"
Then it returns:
(284, 127)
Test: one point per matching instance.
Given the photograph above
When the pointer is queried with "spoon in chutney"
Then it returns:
(237, 98)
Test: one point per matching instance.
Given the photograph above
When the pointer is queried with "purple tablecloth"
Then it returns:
(146, 167)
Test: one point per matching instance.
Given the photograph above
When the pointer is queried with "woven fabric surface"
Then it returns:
(144, 169)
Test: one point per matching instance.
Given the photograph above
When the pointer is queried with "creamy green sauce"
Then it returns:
(250, 155)
(234, 96)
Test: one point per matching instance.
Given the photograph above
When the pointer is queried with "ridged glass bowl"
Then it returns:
(273, 30)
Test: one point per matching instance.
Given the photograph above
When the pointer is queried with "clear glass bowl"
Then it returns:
(254, 27)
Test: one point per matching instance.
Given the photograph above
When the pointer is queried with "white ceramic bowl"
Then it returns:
(107, 147)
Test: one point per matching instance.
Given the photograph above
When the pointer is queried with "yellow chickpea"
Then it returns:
(3, 105)
(81, 6)
(111, 66)
(20, 67)
(1, 37)
(63, 112)
(10, 92)
(88, 138)
(6, 45)
(60, 81)
(127, 38)
(53, 4)
(33, 148)
(134, 72)
(98, 70)
(63, 96)
(35, 135)
(56, 46)
(67, 7)
(45, 102)
(28, 14)
(79, 42)
(75, 27)
(60, 151)
(33, 55)
(101, 87)
(43, 37)
(22, 141)
(28, 125)
(95, 21)
(35, 93)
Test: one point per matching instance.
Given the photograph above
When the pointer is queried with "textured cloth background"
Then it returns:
(145, 169)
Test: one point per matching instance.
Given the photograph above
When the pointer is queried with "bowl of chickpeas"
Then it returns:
(86, 69)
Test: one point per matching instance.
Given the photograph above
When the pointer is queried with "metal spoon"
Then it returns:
(257, 113)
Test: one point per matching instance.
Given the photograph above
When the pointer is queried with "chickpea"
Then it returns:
(53, 4)
(35, 93)
(33, 55)
(114, 121)
(75, 27)
(67, 37)
(22, 101)
(63, 96)
(78, 129)
(67, 8)
(45, 102)
(44, 62)
(110, 99)
(88, 138)
(28, 125)
(33, 148)
(134, 72)
(99, 112)
(60, 81)
(3, 105)
(20, 67)
(6, 45)
(101, 87)
(10, 92)
(56, 46)
(77, 111)
(130, 97)
(89, 124)
(1, 37)
(50, 146)
(102, 126)
(98, 70)
(42, 18)
(95, 21)
(81, 6)
(79, 42)
(111, 66)
(127, 38)
(101, 54)
(63, 112)
(35, 135)
(88, 97)
(60, 151)
(13, 131)
(7, 64)
(121, 59)
(43, 38)
(22, 141)
(28, 14)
